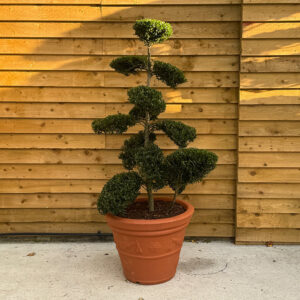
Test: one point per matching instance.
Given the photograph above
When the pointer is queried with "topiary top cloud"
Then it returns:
(152, 31)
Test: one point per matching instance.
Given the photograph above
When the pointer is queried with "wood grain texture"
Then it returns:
(101, 63)
(286, 12)
(268, 46)
(268, 206)
(118, 46)
(269, 97)
(205, 126)
(87, 156)
(263, 235)
(91, 111)
(112, 79)
(273, 30)
(113, 95)
(79, 200)
(113, 30)
(94, 186)
(272, 160)
(262, 220)
(269, 128)
(178, 13)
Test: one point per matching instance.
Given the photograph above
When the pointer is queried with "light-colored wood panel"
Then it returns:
(271, 30)
(84, 126)
(113, 30)
(270, 80)
(92, 141)
(270, 64)
(269, 190)
(119, 13)
(268, 235)
(75, 156)
(78, 200)
(194, 229)
(62, 141)
(210, 230)
(264, 47)
(50, 227)
(269, 144)
(269, 128)
(282, 175)
(215, 187)
(253, 97)
(125, 2)
(271, 1)
(69, 110)
(268, 206)
(274, 112)
(113, 95)
(222, 142)
(268, 220)
(96, 46)
(286, 12)
(271, 160)
(86, 171)
(111, 79)
(92, 215)
(102, 63)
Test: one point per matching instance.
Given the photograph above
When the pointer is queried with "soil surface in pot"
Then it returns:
(162, 209)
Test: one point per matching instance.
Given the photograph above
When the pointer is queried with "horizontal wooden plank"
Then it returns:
(286, 12)
(120, 13)
(215, 187)
(268, 235)
(264, 47)
(124, 2)
(90, 201)
(270, 112)
(270, 64)
(282, 175)
(269, 1)
(92, 215)
(271, 160)
(269, 144)
(114, 95)
(75, 156)
(92, 141)
(268, 206)
(84, 126)
(194, 229)
(221, 142)
(269, 128)
(50, 227)
(96, 46)
(89, 111)
(270, 80)
(87, 171)
(113, 30)
(253, 97)
(269, 190)
(272, 30)
(258, 220)
(111, 79)
(102, 63)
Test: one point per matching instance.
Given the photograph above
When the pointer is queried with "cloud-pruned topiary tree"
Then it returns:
(145, 161)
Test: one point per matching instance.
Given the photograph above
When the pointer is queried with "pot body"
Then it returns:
(149, 249)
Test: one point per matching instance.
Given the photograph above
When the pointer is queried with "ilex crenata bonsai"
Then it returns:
(147, 166)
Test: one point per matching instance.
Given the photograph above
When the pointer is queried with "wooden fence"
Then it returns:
(55, 79)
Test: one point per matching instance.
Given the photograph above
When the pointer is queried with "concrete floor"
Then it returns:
(91, 270)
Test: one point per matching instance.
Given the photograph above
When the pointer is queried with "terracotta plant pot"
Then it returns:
(149, 249)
